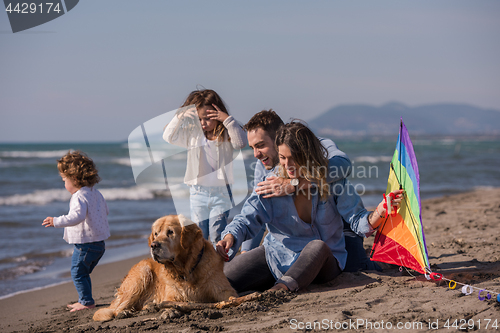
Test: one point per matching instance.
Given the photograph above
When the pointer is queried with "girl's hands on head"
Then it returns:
(217, 114)
(190, 113)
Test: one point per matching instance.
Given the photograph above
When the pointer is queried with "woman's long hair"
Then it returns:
(308, 153)
(207, 97)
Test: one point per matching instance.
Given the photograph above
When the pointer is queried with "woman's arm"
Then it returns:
(351, 208)
(246, 225)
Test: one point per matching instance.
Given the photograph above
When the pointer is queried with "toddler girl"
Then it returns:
(85, 226)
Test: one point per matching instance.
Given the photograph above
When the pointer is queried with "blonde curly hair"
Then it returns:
(80, 168)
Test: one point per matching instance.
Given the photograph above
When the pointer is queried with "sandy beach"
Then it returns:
(462, 233)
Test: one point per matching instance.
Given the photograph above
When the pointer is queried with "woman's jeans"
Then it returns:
(249, 271)
(85, 258)
(210, 208)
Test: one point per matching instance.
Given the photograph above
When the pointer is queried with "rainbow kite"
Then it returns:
(400, 239)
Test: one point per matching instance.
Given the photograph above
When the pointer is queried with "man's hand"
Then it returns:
(275, 187)
(224, 245)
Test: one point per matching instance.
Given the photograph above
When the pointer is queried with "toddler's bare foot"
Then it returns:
(79, 307)
(71, 306)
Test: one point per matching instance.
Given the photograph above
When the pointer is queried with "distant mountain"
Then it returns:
(426, 120)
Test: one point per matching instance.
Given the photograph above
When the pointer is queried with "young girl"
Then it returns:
(85, 226)
(210, 143)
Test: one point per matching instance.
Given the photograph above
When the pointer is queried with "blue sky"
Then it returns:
(102, 69)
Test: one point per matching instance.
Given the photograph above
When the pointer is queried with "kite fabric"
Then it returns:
(400, 239)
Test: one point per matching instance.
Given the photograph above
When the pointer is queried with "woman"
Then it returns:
(305, 242)
(210, 143)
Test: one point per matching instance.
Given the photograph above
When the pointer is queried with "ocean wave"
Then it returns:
(37, 256)
(24, 163)
(137, 161)
(133, 145)
(36, 154)
(24, 269)
(484, 188)
(43, 197)
(29, 263)
(131, 193)
(373, 159)
(40, 197)
(122, 161)
(34, 289)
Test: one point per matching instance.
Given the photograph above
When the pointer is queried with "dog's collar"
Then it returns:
(198, 260)
(200, 255)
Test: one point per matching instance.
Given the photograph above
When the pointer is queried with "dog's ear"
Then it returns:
(189, 235)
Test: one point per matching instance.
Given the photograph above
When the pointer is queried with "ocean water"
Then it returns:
(31, 189)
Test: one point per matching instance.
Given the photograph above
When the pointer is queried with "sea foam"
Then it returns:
(373, 159)
(43, 197)
(35, 154)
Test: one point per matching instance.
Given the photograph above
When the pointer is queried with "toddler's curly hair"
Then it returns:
(80, 168)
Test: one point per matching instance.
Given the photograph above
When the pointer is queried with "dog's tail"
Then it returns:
(104, 314)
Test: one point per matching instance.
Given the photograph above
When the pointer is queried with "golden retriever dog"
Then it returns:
(184, 268)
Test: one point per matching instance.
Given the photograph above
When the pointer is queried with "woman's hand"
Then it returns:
(224, 245)
(217, 114)
(275, 187)
(398, 196)
(380, 212)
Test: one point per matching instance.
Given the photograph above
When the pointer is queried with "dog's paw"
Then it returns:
(150, 308)
(124, 314)
(170, 314)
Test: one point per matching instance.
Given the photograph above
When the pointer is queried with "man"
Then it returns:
(261, 132)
